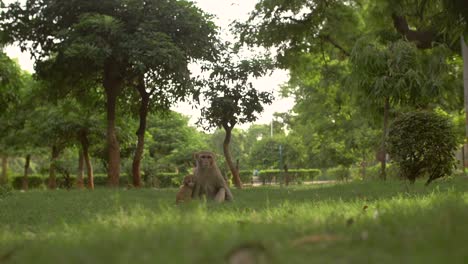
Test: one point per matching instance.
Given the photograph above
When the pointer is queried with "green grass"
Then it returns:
(402, 224)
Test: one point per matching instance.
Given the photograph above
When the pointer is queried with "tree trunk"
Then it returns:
(52, 169)
(383, 173)
(463, 159)
(464, 48)
(144, 107)
(80, 175)
(25, 181)
(4, 179)
(83, 135)
(113, 84)
(227, 154)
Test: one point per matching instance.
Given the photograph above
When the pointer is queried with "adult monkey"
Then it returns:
(208, 179)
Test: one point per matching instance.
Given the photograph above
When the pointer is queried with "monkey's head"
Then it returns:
(205, 159)
(188, 181)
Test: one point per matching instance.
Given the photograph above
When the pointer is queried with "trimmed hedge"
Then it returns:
(296, 175)
(34, 181)
(162, 180)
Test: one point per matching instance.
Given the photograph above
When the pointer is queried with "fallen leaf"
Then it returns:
(248, 253)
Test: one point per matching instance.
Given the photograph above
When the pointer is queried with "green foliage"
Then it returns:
(171, 142)
(423, 144)
(340, 173)
(10, 82)
(232, 98)
(266, 152)
(5, 190)
(298, 175)
(34, 181)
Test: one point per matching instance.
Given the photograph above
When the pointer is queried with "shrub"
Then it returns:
(339, 173)
(297, 175)
(422, 144)
(34, 181)
(5, 190)
(246, 176)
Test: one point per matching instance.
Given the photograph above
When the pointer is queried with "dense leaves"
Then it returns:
(422, 144)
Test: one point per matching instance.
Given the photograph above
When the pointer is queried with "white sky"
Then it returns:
(225, 11)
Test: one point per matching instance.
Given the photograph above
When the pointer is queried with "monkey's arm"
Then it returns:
(196, 193)
(229, 196)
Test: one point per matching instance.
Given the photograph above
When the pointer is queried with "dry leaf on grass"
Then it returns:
(248, 253)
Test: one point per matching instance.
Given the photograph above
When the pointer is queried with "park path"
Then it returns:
(257, 182)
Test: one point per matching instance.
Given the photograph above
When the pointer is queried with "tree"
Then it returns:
(397, 74)
(10, 82)
(233, 99)
(172, 142)
(297, 27)
(114, 44)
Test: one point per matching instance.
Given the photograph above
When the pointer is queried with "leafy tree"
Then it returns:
(423, 143)
(397, 74)
(266, 152)
(297, 27)
(233, 99)
(172, 142)
(11, 81)
(115, 43)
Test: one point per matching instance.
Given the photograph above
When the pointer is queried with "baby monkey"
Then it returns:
(185, 191)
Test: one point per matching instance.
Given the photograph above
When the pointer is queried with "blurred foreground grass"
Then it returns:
(358, 222)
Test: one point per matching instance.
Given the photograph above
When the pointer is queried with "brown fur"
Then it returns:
(208, 179)
(185, 191)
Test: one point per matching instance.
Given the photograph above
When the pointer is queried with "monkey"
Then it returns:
(208, 179)
(185, 191)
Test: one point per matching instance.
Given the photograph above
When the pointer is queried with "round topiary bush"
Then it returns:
(422, 144)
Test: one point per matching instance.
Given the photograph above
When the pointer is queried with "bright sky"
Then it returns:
(225, 11)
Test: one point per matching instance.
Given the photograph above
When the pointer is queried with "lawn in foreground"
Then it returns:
(297, 224)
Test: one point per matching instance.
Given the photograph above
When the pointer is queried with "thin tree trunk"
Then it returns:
(227, 155)
(25, 181)
(89, 169)
(83, 135)
(52, 169)
(383, 173)
(80, 175)
(464, 48)
(463, 159)
(112, 84)
(4, 179)
(144, 108)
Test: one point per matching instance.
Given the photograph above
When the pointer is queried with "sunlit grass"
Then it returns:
(401, 224)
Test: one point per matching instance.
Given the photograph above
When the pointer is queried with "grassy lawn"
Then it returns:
(298, 224)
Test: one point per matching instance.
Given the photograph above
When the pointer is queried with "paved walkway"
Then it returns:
(257, 183)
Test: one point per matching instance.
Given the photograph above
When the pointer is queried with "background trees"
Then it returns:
(353, 67)
(117, 44)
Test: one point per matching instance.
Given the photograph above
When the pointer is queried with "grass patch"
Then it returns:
(298, 224)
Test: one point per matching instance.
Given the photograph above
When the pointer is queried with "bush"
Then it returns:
(297, 175)
(422, 144)
(5, 190)
(34, 181)
(246, 176)
(301, 175)
(339, 173)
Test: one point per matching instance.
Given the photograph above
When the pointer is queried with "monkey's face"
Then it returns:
(205, 160)
(188, 181)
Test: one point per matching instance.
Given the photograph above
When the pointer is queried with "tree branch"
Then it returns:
(423, 39)
(328, 39)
